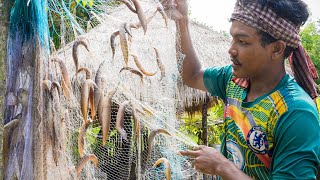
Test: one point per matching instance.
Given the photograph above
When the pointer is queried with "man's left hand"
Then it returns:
(207, 159)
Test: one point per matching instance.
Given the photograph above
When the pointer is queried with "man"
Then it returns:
(271, 128)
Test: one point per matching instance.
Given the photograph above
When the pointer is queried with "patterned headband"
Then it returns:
(264, 19)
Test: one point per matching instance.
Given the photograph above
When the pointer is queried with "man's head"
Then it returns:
(273, 19)
(276, 23)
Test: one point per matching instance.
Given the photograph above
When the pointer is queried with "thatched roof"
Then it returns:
(211, 47)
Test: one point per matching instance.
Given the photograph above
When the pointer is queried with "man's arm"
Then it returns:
(192, 73)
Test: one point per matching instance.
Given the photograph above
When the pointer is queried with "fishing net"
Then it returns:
(142, 110)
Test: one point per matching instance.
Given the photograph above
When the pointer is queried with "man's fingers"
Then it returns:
(195, 165)
(192, 153)
(195, 148)
(170, 7)
(189, 153)
(199, 147)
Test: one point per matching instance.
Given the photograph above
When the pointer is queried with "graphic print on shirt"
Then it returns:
(237, 157)
(257, 140)
(254, 137)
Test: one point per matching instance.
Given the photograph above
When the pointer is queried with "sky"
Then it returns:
(215, 13)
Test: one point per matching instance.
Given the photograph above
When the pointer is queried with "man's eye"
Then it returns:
(243, 42)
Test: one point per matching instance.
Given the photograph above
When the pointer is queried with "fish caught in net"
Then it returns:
(112, 94)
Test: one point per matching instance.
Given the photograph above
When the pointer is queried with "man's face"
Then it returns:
(249, 58)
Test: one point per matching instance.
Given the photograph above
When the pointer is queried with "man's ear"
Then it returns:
(278, 49)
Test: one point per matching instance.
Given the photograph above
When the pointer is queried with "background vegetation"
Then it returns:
(60, 22)
(310, 36)
(192, 125)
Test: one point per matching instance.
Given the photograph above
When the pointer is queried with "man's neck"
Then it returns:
(261, 86)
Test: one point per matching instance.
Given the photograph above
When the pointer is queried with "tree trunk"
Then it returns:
(205, 125)
(205, 120)
(5, 7)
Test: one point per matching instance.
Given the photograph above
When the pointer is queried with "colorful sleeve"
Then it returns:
(297, 150)
(216, 79)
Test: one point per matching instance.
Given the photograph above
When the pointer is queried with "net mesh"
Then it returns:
(157, 100)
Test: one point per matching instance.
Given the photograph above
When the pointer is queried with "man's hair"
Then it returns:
(295, 11)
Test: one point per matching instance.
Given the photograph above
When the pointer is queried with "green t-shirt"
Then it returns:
(277, 136)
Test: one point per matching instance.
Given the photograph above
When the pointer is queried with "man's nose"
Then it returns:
(232, 51)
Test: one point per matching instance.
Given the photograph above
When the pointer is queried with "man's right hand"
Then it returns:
(175, 9)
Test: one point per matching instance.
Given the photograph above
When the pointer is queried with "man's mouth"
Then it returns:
(235, 62)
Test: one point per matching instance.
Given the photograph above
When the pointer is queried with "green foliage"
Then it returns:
(80, 12)
(192, 126)
(214, 123)
(85, 2)
(310, 37)
(92, 133)
(61, 24)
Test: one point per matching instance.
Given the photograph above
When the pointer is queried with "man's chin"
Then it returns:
(237, 74)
